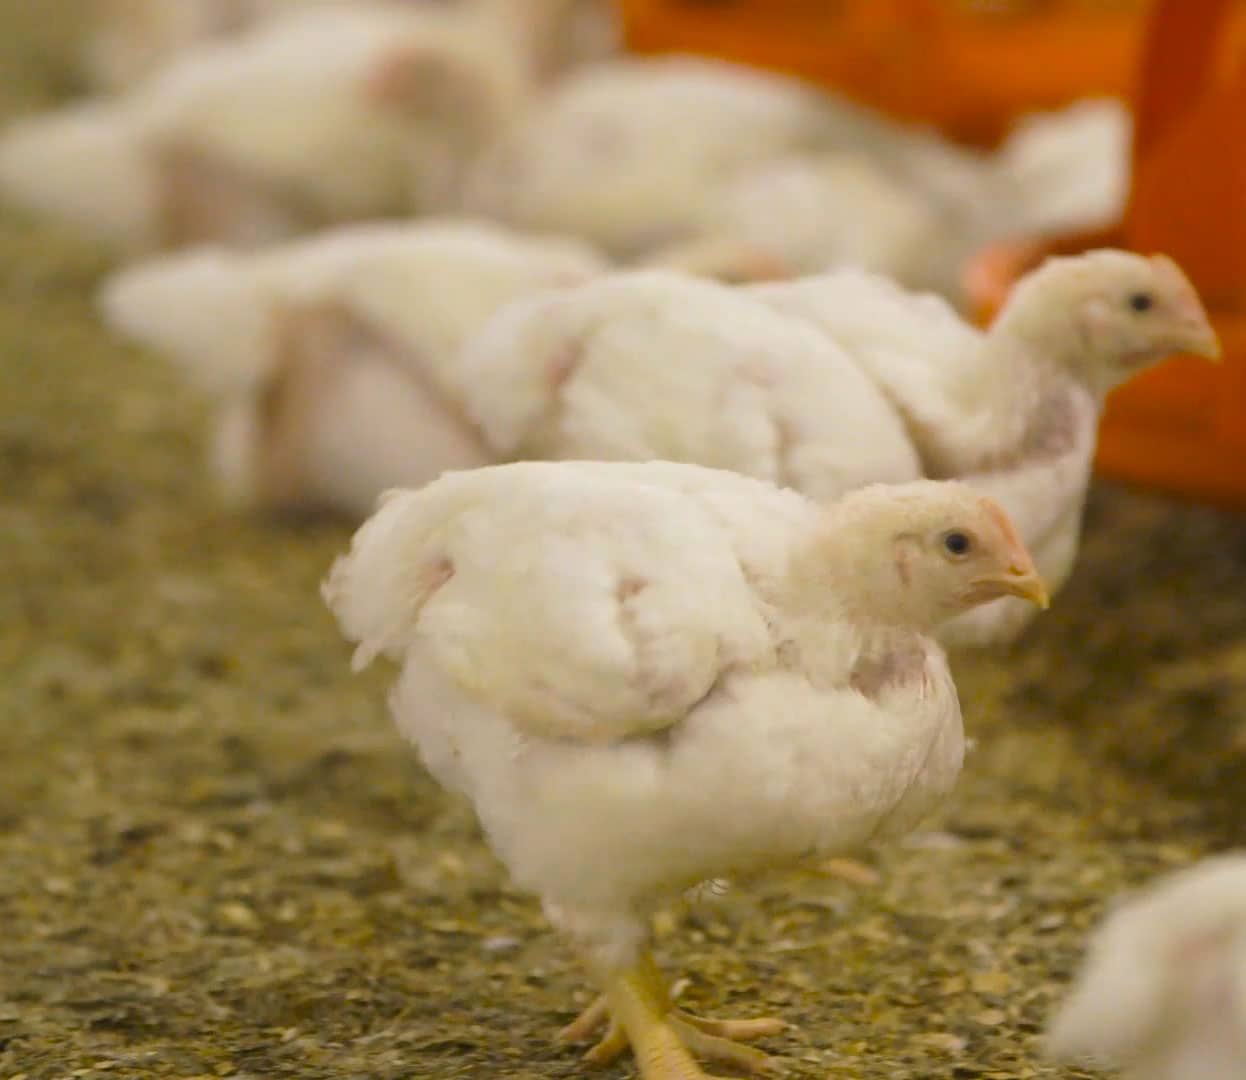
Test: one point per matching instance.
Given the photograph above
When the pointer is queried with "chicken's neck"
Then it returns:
(1018, 390)
(836, 580)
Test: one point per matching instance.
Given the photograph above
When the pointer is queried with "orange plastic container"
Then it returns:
(966, 67)
(970, 68)
(1181, 427)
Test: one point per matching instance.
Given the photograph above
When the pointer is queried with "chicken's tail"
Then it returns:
(203, 309)
(377, 590)
(1068, 170)
(88, 167)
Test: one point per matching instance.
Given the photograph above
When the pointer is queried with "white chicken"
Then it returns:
(649, 155)
(815, 211)
(652, 364)
(647, 675)
(132, 39)
(1162, 992)
(333, 360)
(624, 152)
(1014, 409)
(342, 112)
(806, 213)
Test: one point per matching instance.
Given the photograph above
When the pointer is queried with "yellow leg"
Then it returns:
(637, 1011)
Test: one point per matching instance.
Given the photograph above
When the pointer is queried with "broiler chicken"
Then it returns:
(810, 212)
(1013, 410)
(1162, 992)
(646, 675)
(807, 213)
(648, 156)
(822, 385)
(624, 153)
(339, 113)
(332, 360)
(132, 39)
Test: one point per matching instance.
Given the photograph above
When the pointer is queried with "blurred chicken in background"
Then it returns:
(132, 39)
(1162, 991)
(337, 113)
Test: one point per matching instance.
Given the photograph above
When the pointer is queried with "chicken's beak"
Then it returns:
(1021, 578)
(1024, 581)
(1201, 339)
(1194, 333)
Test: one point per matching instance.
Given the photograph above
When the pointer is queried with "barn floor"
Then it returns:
(218, 860)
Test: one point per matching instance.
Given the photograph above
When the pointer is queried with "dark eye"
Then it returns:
(957, 543)
(1141, 301)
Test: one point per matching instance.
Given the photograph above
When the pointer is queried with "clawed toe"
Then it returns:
(665, 1038)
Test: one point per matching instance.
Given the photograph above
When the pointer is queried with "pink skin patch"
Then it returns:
(394, 79)
(1052, 431)
(629, 587)
(562, 365)
(899, 666)
(432, 578)
(414, 78)
(758, 372)
(902, 567)
(205, 199)
(756, 265)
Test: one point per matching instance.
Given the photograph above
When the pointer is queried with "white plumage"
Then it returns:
(812, 212)
(649, 155)
(392, 353)
(337, 113)
(1069, 169)
(1162, 992)
(652, 364)
(644, 675)
(131, 39)
(334, 360)
(625, 152)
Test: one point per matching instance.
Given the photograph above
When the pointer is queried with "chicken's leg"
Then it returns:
(638, 1011)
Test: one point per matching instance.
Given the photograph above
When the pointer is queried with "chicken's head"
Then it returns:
(919, 553)
(1109, 314)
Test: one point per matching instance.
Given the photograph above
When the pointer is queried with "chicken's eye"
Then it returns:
(1141, 301)
(956, 543)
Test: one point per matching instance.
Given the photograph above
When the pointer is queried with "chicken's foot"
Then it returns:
(637, 1011)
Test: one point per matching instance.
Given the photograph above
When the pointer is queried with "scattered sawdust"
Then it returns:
(218, 860)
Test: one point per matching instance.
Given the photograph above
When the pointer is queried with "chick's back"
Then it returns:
(585, 600)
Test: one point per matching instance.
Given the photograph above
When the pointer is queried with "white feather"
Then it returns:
(87, 166)
(653, 364)
(1162, 991)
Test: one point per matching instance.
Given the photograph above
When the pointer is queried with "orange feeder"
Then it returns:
(968, 68)
(971, 69)
(1182, 427)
